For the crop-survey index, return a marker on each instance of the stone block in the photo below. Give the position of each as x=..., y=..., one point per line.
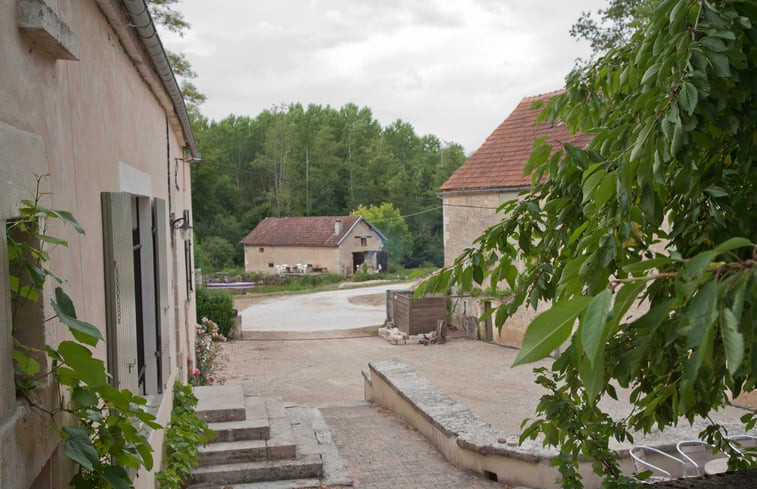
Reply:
x=42, y=26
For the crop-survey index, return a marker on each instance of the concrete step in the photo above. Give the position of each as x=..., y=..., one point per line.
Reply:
x=249, y=429
x=220, y=403
x=245, y=451
x=290, y=484
x=232, y=452
x=305, y=467
x=287, y=484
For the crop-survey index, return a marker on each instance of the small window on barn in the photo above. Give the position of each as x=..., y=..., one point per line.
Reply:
x=260, y=250
x=270, y=264
x=363, y=241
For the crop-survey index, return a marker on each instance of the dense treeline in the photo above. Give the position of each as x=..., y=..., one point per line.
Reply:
x=297, y=161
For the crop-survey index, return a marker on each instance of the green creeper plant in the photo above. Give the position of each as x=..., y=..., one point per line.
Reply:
x=184, y=435
x=106, y=437
x=658, y=211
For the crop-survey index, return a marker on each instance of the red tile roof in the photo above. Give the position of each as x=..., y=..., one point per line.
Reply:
x=499, y=162
x=299, y=231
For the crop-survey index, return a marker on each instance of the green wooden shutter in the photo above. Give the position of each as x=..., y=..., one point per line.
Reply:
x=121, y=323
x=160, y=228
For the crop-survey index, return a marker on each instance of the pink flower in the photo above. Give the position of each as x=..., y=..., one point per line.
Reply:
x=196, y=372
x=211, y=379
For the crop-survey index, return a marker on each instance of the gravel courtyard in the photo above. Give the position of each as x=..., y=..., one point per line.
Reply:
x=326, y=371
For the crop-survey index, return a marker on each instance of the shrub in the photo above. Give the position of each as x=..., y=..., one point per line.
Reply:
x=364, y=277
x=218, y=306
x=317, y=280
x=185, y=433
x=206, y=350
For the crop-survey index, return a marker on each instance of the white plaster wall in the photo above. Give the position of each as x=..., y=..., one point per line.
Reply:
x=93, y=125
x=318, y=256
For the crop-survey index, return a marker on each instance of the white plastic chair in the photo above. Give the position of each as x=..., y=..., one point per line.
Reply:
x=674, y=466
x=742, y=443
x=696, y=454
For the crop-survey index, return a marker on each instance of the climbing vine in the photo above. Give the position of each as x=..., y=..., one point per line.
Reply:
x=106, y=437
x=184, y=435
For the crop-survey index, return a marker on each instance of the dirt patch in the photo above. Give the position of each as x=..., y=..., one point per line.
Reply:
x=242, y=302
x=368, y=300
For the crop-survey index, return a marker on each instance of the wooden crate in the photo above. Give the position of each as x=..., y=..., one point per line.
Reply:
x=417, y=316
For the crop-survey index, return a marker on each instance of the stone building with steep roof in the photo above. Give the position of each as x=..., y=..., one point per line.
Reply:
x=490, y=177
x=334, y=244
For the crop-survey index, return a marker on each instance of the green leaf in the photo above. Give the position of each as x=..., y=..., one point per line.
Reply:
x=733, y=341
x=26, y=365
x=79, y=358
x=719, y=63
x=642, y=266
x=82, y=331
x=117, y=477
x=550, y=329
x=702, y=312
x=716, y=191
x=593, y=330
x=676, y=141
x=592, y=376
x=84, y=397
x=538, y=157
x=64, y=216
x=688, y=97
x=590, y=184
x=640, y=144
x=732, y=244
x=28, y=292
x=714, y=44
x=695, y=267
x=79, y=448
x=650, y=72
x=145, y=451
x=624, y=299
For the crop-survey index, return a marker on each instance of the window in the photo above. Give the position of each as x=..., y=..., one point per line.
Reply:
x=363, y=241
x=261, y=250
x=134, y=237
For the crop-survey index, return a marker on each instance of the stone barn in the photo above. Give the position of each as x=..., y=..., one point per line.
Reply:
x=333, y=244
x=490, y=177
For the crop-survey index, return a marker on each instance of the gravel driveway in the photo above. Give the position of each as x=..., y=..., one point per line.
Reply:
x=320, y=311
x=322, y=368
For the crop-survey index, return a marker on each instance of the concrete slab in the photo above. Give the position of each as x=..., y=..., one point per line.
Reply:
x=321, y=311
x=220, y=403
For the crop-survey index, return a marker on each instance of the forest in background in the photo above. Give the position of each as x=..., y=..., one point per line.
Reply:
x=316, y=161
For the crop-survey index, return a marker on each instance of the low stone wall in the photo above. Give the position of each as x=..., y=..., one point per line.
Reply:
x=466, y=440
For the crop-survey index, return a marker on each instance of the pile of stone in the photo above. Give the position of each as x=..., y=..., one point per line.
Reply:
x=396, y=337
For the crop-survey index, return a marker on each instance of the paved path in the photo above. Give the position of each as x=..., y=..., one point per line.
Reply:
x=321, y=311
x=382, y=452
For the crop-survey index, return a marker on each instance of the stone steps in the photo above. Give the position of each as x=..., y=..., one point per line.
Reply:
x=290, y=484
x=250, y=429
x=264, y=470
x=262, y=443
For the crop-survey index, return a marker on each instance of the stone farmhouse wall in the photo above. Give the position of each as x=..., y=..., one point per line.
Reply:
x=83, y=114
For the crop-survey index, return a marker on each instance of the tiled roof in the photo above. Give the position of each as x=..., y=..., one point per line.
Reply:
x=299, y=231
x=499, y=162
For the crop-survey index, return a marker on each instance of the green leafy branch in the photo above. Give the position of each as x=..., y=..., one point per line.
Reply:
x=644, y=241
x=185, y=433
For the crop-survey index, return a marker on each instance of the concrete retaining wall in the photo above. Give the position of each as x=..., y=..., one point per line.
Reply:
x=466, y=440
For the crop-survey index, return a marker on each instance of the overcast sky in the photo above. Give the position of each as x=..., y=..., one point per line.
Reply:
x=452, y=68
